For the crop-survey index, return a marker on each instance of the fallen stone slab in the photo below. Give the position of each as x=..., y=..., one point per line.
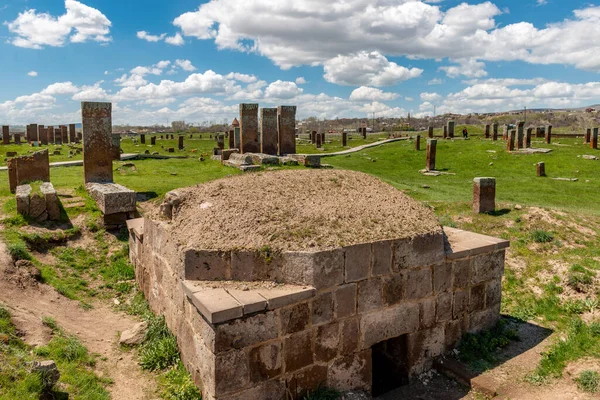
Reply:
x=112, y=198
x=532, y=151
x=566, y=179
x=434, y=172
x=308, y=160
x=264, y=159
x=588, y=157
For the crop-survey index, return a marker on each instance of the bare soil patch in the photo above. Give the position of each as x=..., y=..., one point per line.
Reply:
x=296, y=210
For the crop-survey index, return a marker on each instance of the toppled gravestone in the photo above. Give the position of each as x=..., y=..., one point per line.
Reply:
x=39, y=205
x=116, y=202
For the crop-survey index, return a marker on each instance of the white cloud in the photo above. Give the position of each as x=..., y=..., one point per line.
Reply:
x=300, y=80
x=91, y=93
x=368, y=69
x=132, y=80
x=282, y=90
x=185, y=65
x=150, y=38
x=470, y=68
x=304, y=32
x=79, y=24
x=60, y=88
x=435, y=81
x=176, y=40
x=32, y=73
x=430, y=97
x=241, y=77
x=365, y=93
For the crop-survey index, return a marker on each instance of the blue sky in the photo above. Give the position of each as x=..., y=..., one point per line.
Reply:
x=160, y=61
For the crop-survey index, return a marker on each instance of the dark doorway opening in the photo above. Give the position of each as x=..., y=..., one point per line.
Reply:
x=390, y=365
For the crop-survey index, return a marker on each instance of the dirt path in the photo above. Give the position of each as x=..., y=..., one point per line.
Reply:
x=97, y=329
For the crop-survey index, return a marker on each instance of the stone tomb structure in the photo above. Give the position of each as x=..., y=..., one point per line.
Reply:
x=116, y=202
x=257, y=309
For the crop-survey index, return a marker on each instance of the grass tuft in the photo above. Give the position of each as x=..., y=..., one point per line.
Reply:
x=589, y=381
x=541, y=236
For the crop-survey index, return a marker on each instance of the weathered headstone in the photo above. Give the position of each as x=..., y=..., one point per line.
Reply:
x=549, y=134
x=451, y=128
x=588, y=135
x=153, y=140
x=72, y=133
x=231, y=139
x=143, y=139
x=64, y=134
x=541, y=169
x=430, y=132
x=180, y=142
x=484, y=195
x=43, y=134
x=58, y=136
x=34, y=133
x=594, y=139
x=487, y=131
x=431, y=150
x=520, y=134
x=236, y=137
x=364, y=133
x=116, y=146
x=344, y=139
x=313, y=137
x=97, y=142
x=319, y=143
x=286, y=129
x=528, y=138
x=445, y=131
x=5, y=134
x=220, y=141
x=510, y=144
x=505, y=132
x=249, y=128
x=495, y=132
x=29, y=168
x=79, y=137
x=418, y=143
x=50, y=134
x=268, y=131
x=17, y=138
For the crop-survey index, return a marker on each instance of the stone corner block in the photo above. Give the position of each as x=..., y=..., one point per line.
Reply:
x=112, y=198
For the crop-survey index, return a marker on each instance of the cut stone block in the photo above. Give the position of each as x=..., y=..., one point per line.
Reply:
x=112, y=198
x=22, y=193
x=52, y=202
x=281, y=297
x=217, y=305
x=251, y=301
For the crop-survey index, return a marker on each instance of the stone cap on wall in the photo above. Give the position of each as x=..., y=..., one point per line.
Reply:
x=223, y=301
x=137, y=227
x=460, y=244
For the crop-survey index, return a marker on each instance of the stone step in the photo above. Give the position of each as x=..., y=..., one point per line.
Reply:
x=222, y=301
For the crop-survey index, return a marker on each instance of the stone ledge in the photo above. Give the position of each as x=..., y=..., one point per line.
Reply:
x=137, y=227
x=112, y=198
x=224, y=301
x=461, y=244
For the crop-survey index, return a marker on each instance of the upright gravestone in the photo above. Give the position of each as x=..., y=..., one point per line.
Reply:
x=319, y=140
x=40, y=130
x=344, y=139
x=430, y=132
x=364, y=133
x=495, y=132
x=5, y=134
x=43, y=133
x=50, y=134
x=588, y=135
x=594, y=139
x=72, y=133
x=64, y=134
x=79, y=137
x=249, y=128
x=418, y=143
x=143, y=139
x=313, y=137
x=34, y=133
x=268, y=131
x=445, y=135
x=528, y=138
x=153, y=140
x=520, y=134
x=231, y=139
x=220, y=141
x=58, y=136
x=431, y=150
x=180, y=142
x=484, y=195
x=323, y=138
x=17, y=138
x=286, y=129
x=116, y=146
x=451, y=129
x=505, y=132
x=510, y=143
x=541, y=169
x=549, y=134
x=97, y=142
x=236, y=137
x=487, y=131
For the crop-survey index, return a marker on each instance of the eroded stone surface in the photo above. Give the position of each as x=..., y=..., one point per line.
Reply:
x=98, y=150
x=112, y=198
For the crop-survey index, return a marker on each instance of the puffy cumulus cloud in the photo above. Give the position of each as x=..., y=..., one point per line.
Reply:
x=300, y=80
x=241, y=77
x=60, y=88
x=369, y=69
x=132, y=80
x=92, y=93
x=79, y=24
x=159, y=102
x=136, y=76
x=150, y=38
x=470, y=68
x=282, y=90
x=185, y=65
x=365, y=93
x=175, y=40
x=430, y=97
x=497, y=96
x=303, y=32
x=207, y=82
x=382, y=110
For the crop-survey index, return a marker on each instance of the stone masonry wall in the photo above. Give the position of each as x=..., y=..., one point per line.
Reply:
x=366, y=294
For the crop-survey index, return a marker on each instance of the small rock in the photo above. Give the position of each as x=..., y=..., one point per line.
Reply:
x=426, y=187
x=48, y=371
x=491, y=164
x=116, y=301
x=518, y=207
x=135, y=335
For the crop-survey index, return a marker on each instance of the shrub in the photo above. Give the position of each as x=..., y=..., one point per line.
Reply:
x=541, y=236
x=589, y=381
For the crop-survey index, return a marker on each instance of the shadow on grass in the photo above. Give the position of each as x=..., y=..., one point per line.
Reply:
x=145, y=196
x=499, y=213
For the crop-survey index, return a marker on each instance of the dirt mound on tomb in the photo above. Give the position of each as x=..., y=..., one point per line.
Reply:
x=296, y=210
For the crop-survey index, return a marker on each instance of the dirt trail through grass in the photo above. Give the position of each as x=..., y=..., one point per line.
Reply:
x=97, y=329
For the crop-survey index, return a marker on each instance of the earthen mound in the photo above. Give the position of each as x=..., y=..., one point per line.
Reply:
x=294, y=211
